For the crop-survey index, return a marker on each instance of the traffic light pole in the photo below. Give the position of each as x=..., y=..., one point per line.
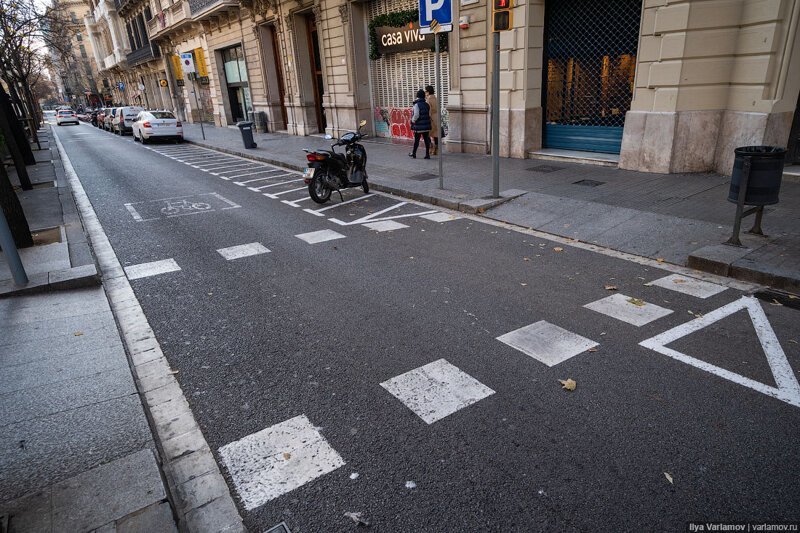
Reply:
x=496, y=116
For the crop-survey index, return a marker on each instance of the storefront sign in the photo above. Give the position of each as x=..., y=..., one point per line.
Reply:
x=392, y=40
x=200, y=60
x=177, y=69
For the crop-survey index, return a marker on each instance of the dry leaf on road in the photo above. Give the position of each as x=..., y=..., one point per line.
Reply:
x=78, y=333
x=558, y=249
x=660, y=259
x=568, y=384
x=669, y=477
x=287, y=455
x=611, y=287
x=775, y=302
x=636, y=301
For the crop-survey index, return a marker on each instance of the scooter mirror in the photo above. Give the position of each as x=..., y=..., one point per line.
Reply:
x=328, y=136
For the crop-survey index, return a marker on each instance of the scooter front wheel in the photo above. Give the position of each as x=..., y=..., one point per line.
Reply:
x=317, y=189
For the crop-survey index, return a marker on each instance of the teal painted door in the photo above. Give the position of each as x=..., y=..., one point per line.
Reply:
x=590, y=49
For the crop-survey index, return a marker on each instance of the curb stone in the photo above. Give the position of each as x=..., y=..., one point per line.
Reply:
x=172, y=422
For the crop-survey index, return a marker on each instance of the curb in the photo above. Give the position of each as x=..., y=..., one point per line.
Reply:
x=473, y=206
x=724, y=260
x=201, y=499
x=71, y=278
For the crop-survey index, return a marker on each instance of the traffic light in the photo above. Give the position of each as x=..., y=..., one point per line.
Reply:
x=501, y=15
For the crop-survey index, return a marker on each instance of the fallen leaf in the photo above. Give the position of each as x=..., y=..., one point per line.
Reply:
x=411, y=485
x=524, y=284
x=678, y=280
x=592, y=350
x=636, y=301
x=793, y=341
x=669, y=477
x=568, y=384
x=526, y=258
x=356, y=517
x=690, y=312
x=660, y=259
x=775, y=302
x=611, y=287
x=558, y=249
x=287, y=455
x=602, y=333
x=78, y=333
x=793, y=297
x=173, y=372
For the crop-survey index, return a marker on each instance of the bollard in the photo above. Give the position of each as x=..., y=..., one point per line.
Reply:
x=11, y=253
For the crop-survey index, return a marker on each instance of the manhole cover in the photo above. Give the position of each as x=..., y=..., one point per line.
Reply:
x=545, y=168
x=423, y=177
x=589, y=183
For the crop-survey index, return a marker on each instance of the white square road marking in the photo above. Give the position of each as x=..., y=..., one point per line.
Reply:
x=436, y=390
x=626, y=309
x=243, y=250
x=316, y=237
x=440, y=217
x=686, y=285
x=385, y=225
x=277, y=460
x=145, y=270
x=547, y=343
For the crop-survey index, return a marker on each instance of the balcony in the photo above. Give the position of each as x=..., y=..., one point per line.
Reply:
x=202, y=9
x=143, y=55
x=113, y=60
x=172, y=18
x=104, y=9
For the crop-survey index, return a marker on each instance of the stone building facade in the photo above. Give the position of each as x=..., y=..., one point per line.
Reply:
x=660, y=85
x=78, y=71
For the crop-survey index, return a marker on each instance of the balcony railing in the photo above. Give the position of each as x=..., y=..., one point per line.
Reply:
x=112, y=60
x=168, y=19
x=202, y=8
x=143, y=54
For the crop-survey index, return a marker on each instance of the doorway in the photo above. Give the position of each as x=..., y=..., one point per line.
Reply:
x=273, y=72
x=316, y=71
x=236, y=83
x=793, y=146
x=590, y=53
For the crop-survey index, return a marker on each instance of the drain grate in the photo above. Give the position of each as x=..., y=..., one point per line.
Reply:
x=589, y=183
x=423, y=177
x=545, y=168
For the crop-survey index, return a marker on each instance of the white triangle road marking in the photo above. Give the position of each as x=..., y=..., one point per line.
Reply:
x=787, y=390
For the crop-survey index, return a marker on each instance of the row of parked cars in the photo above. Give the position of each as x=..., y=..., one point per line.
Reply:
x=143, y=124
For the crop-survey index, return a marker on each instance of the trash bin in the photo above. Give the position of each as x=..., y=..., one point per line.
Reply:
x=766, y=171
x=246, y=128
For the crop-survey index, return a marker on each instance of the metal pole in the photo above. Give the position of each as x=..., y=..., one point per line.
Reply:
x=200, y=105
x=439, y=109
x=11, y=253
x=496, y=117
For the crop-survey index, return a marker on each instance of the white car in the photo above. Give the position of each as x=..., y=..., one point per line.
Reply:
x=66, y=116
x=122, y=120
x=157, y=124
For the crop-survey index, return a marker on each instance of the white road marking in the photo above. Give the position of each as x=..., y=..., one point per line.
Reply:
x=787, y=390
x=220, y=197
x=255, y=172
x=293, y=203
x=625, y=308
x=256, y=189
x=385, y=225
x=154, y=268
x=277, y=460
x=275, y=196
x=547, y=343
x=228, y=165
x=318, y=212
x=245, y=182
x=319, y=236
x=686, y=285
x=440, y=217
x=436, y=390
x=132, y=210
x=243, y=250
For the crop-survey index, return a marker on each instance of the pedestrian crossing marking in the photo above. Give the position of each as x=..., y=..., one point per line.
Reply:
x=686, y=285
x=547, y=343
x=627, y=309
x=787, y=390
x=277, y=460
x=436, y=390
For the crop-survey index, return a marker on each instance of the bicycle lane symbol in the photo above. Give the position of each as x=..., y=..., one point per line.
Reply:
x=179, y=206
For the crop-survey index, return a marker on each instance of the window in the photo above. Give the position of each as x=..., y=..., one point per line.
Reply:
x=147, y=13
x=73, y=17
x=83, y=52
x=78, y=37
x=142, y=29
x=162, y=114
x=235, y=69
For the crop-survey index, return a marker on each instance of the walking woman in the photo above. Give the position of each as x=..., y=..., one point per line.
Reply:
x=433, y=105
x=421, y=124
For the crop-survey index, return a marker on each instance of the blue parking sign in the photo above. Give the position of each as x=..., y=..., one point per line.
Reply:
x=439, y=10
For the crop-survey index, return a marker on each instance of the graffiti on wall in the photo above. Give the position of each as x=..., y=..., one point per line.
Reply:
x=395, y=122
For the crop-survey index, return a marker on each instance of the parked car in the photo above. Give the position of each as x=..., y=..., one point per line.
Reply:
x=49, y=114
x=123, y=119
x=157, y=124
x=108, y=118
x=66, y=116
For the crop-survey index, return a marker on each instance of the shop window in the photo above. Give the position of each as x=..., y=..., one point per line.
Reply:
x=235, y=69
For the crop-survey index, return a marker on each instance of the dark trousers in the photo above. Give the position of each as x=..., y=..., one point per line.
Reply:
x=425, y=135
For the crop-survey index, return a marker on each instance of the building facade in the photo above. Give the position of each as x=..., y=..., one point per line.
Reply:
x=652, y=85
x=76, y=79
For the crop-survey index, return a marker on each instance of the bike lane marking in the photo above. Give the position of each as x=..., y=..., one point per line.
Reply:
x=153, y=268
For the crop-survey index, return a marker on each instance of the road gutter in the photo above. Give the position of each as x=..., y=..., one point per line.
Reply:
x=201, y=499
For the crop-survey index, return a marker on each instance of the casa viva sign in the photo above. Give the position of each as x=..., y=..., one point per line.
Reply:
x=391, y=40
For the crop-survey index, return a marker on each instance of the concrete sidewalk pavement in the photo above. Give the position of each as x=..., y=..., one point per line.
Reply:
x=678, y=218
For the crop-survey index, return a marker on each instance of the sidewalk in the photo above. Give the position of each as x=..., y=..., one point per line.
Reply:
x=680, y=218
x=76, y=450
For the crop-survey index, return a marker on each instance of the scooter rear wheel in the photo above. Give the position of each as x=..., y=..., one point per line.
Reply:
x=317, y=189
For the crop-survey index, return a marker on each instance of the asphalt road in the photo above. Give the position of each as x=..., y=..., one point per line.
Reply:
x=314, y=329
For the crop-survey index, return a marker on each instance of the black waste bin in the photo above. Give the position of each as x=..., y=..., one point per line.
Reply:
x=766, y=172
x=246, y=128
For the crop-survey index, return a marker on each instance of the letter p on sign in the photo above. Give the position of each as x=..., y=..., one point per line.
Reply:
x=440, y=10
